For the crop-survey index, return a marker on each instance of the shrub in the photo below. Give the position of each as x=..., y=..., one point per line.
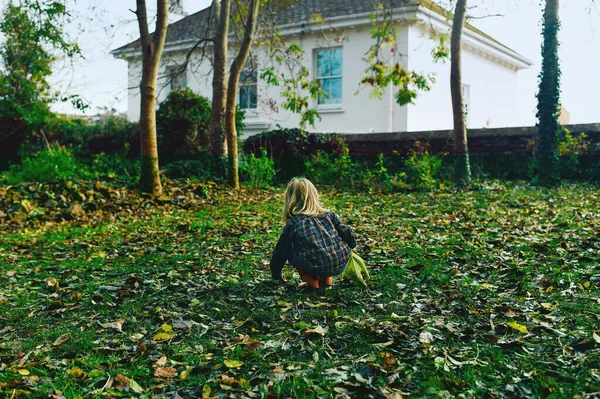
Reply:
x=116, y=166
x=258, y=172
x=290, y=149
x=420, y=170
x=183, y=125
x=200, y=168
x=333, y=169
x=46, y=166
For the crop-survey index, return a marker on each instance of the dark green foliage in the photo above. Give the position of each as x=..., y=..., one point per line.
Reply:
x=549, y=98
x=33, y=37
x=334, y=170
x=183, y=125
x=111, y=134
x=201, y=168
x=47, y=166
x=292, y=148
x=258, y=172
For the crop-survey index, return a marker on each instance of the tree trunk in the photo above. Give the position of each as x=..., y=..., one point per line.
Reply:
x=222, y=10
x=232, y=91
x=549, y=97
x=462, y=171
x=152, y=48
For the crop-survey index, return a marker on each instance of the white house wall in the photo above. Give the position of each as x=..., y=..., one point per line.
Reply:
x=492, y=103
x=492, y=87
x=358, y=113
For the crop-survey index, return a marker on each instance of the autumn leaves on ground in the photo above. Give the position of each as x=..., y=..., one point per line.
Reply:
x=490, y=292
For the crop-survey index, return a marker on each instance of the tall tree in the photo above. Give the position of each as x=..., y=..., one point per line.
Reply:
x=462, y=169
x=549, y=97
x=225, y=86
x=152, y=48
x=232, y=91
x=221, y=11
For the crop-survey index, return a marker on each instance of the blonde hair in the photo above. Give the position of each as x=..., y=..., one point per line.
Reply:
x=300, y=198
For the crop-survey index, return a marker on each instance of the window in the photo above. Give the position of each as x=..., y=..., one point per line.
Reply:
x=176, y=77
x=247, y=88
x=329, y=75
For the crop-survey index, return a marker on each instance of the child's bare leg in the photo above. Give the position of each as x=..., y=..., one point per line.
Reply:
x=325, y=281
x=311, y=282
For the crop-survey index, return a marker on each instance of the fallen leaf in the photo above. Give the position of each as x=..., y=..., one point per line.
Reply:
x=167, y=328
x=11, y=273
x=519, y=327
x=596, y=337
x=165, y=372
x=388, y=361
x=205, y=391
x=162, y=361
x=426, y=337
x=121, y=382
x=117, y=325
x=77, y=373
x=163, y=336
x=317, y=330
x=135, y=387
x=61, y=340
x=51, y=282
x=23, y=371
x=233, y=364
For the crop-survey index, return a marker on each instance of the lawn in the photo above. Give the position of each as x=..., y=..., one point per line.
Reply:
x=489, y=292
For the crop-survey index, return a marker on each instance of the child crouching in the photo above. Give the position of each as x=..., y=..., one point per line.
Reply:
x=314, y=241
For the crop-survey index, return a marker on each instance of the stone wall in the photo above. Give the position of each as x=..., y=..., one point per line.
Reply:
x=482, y=142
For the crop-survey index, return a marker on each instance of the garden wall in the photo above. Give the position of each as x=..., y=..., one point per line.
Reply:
x=482, y=142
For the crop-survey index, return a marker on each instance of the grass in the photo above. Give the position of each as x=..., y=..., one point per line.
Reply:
x=491, y=292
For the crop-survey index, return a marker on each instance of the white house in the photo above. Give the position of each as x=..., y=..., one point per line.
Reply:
x=334, y=54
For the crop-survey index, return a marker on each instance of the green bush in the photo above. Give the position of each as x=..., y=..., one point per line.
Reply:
x=116, y=166
x=291, y=149
x=258, y=172
x=200, y=168
x=334, y=170
x=46, y=166
x=420, y=170
x=183, y=125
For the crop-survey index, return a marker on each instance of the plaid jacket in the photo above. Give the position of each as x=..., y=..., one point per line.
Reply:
x=320, y=245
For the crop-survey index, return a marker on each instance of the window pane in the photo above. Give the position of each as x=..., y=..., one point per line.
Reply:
x=335, y=95
x=252, y=97
x=243, y=97
x=336, y=62
x=326, y=88
x=323, y=63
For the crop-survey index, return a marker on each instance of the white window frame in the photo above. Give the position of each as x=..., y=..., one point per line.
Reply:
x=336, y=105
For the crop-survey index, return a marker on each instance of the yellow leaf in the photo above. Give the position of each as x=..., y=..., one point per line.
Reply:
x=167, y=327
x=586, y=284
x=519, y=327
x=23, y=371
x=549, y=289
x=487, y=286
x=76, y=372
x=205, y=391
x=163, y=336
x=135, y=387
x=185, y=374
x=233, y=364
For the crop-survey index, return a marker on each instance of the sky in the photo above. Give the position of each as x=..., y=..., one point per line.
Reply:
x=100, y=26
